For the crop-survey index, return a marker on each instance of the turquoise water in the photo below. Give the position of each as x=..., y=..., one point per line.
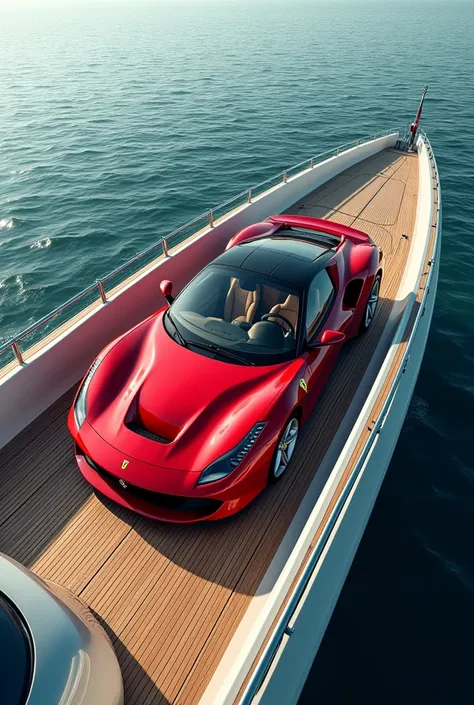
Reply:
x=119, y=123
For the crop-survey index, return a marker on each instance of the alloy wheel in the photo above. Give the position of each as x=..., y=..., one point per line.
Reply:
x=372, y=303
x=286, y=447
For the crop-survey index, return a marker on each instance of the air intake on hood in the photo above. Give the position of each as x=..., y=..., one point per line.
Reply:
x=141, y=431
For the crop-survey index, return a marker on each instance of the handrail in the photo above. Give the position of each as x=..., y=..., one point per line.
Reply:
x=282, y=627
x=248, y=194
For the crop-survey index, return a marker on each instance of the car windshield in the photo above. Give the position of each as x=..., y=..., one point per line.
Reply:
x=15, y=655
x=238, y=315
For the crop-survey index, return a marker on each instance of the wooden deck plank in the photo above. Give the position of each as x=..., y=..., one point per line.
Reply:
x=384, y=207
x=171, y=597
x=353, y=196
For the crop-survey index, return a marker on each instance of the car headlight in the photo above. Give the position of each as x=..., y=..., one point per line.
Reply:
x=223, y=466
x=80, y=407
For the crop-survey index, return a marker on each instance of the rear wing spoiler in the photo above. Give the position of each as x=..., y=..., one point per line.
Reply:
x=324, y=226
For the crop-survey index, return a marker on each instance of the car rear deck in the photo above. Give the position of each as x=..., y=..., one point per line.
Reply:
x=171, y=597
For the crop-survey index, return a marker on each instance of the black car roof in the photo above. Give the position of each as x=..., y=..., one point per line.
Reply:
x=292, y=260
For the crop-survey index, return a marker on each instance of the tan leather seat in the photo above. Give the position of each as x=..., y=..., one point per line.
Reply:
x=240, y=305
x=269, y=297
x=288, y=309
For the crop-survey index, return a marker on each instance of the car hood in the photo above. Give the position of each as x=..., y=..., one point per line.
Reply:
x=73, y=661
x=157, y=401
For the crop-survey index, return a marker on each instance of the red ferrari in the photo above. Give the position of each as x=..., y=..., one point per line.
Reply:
x=193, y=412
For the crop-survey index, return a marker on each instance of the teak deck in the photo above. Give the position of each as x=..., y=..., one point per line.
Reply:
x=172, y=596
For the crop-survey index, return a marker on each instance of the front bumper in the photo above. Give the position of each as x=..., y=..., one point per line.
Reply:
x=168, y=495
x=156, y=505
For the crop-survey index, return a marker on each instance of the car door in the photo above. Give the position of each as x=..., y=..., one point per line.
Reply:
x=323, y=312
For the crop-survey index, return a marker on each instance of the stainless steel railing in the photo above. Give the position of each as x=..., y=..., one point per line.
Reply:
x=283, y=625
x=162, y=246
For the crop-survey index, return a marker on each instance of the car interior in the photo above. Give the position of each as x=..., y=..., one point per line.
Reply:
x=236, y=310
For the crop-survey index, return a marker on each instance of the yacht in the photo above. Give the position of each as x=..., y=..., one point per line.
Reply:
x=230, y=612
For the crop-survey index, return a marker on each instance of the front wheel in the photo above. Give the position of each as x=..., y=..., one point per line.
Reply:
x=284, y=449
x=371, y=306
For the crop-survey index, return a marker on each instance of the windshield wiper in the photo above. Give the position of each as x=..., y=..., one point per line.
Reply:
x=180, y=338
x=221, y=351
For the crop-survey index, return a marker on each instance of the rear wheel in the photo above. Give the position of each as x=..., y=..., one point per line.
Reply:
x=284, y=449
x=371, y=305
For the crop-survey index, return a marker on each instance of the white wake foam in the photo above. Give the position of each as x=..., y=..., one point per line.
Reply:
x=40, y=244
x=6, y=223
x=21, y=285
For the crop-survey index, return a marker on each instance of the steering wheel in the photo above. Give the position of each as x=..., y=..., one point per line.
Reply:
x=290, y=325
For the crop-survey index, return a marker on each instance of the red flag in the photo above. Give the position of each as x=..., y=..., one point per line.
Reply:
x=414, y=125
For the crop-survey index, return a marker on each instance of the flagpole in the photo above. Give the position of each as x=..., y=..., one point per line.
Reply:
x=414, y=125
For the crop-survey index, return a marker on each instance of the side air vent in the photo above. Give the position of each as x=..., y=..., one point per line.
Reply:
x=352, y=293
x=140, y=431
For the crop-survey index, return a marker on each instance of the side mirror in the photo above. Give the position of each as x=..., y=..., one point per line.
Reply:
x=166, y=287
x=329, y=337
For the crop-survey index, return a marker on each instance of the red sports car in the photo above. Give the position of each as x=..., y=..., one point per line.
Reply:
x=193, y=412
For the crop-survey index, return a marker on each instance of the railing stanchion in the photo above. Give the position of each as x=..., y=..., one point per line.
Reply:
x=211, y=218
x=249, y=196
x=100, y=286
x=17, y=351
x=165, y=247
x=285, y=177
x=311, y=163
